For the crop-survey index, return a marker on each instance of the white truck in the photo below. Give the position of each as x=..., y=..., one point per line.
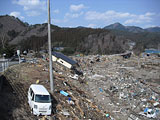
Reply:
x=150, y=113
x=39, y=100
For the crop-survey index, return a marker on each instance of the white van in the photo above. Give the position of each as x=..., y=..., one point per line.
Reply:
x=39, y=100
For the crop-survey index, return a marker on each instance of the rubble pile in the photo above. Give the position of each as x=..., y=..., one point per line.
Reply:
x=123, y=88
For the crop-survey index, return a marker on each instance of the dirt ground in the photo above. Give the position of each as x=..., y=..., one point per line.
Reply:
x=112, y=88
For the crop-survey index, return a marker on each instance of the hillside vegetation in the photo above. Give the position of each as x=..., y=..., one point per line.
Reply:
x=15, y=34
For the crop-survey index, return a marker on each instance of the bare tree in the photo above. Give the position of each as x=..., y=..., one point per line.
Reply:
x=3, y=39
x=138, y=51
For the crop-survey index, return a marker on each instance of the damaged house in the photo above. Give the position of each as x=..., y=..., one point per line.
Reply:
x=64, y=60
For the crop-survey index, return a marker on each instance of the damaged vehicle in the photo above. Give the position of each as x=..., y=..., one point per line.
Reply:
x=39, y=100
x=148, y=113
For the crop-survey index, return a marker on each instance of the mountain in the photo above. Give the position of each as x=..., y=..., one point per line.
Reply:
x=81, y=27
x=116, y=26
x=134, y=29
x=38, y=30
x=104, y=43
x=114, y=39
x=153, y=29
x=11, y=23
x=72, y=39
x=10, y=27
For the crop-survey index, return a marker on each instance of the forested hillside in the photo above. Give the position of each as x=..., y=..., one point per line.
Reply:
x=14, y=34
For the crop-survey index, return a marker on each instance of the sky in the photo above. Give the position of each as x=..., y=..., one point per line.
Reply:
x=87, y=13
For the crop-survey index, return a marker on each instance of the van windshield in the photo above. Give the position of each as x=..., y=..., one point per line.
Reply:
x=42, y=98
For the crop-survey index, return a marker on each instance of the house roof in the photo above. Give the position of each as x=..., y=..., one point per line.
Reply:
x=152, y=51
x=65, y=58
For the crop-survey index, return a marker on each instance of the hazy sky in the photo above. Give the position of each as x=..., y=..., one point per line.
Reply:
x=89, y=13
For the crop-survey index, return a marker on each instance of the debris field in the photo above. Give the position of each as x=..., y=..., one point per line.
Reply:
x=111, y=87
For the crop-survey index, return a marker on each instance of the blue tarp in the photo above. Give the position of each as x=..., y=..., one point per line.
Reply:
x=64, y=93
x=100, y=89
x=152, y=51
x=146, y=109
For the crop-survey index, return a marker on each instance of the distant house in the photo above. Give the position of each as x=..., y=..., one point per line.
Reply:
x=64, y=60
x=59, y=48
x=126, y=55
x=152, y=51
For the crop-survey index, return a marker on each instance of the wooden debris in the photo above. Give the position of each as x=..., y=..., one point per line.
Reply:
x=77, y=103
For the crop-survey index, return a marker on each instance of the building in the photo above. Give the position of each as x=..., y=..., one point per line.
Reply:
x=64, y=60
x=126, y=55
x=152, y=52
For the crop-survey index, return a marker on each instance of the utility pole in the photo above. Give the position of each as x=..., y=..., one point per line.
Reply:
x=50, y=49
